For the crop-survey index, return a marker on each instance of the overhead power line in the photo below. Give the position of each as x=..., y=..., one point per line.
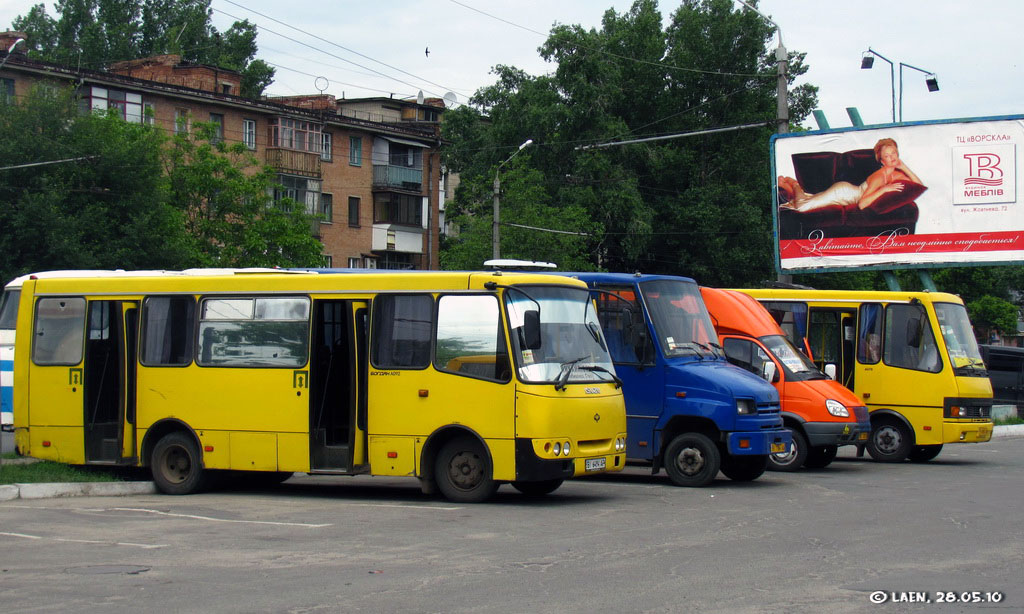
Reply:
x=675, y=136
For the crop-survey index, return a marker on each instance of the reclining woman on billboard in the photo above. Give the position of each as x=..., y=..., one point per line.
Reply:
x=885, y=180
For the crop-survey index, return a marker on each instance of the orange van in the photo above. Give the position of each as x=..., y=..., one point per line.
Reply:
x=821, y=414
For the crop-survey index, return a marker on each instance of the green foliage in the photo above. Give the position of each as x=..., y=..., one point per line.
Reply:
x=96, y=33
x=230, y=215
x=990, y=313
x=107, y=211
x=696, y=206
x=47, y=472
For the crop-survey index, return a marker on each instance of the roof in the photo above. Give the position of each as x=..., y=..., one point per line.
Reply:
x=735, y=312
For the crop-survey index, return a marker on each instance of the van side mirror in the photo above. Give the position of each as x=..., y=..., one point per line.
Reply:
x=914, y=332
x=531, y=329
x=769, y=372
x=830, y=370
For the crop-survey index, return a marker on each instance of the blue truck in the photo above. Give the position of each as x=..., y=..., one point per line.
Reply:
x=689, y=411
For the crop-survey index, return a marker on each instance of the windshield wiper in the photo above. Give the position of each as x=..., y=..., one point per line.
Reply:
x=693, y=347
x=566, y=371
x=615, y=378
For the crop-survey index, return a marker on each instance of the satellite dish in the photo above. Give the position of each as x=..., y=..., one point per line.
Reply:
x=419, y=97
x=449, y=99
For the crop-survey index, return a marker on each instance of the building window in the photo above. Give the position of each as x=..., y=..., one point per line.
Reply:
x=328, y=261
x=6, y=90
x=353, y=211
x=327, y=208
x=395, y=208
x=355, y=263
x=148, y=114
x=355, y=150
x=295, y=134
x=303, y=190
x=180, y=121
x=325, y=146
x=217, y=120
x=127, y=105
x=249, y=133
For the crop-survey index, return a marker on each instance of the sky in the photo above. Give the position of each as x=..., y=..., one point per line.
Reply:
x=358, y=49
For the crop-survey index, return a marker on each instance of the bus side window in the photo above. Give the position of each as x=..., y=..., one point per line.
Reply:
x=469, y=339
x=167, y=325
x=402, y=327
x=909, y=342
x=59, y=331
x=869, y=334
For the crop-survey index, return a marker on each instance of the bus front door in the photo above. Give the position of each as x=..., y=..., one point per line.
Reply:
x=109, y=377
x=831, y=335
x=337, y=412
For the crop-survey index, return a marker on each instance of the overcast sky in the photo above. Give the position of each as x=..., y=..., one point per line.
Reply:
x=974, y=47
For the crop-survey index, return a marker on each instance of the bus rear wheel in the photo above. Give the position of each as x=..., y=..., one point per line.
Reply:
x=463, y=472
x=890, y=442
x=923, y=454
x=537, y=489
x=691, y=459
x=177, y=466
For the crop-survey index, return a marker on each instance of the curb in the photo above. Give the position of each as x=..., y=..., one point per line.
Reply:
x=10, y=492
x=1008, y=431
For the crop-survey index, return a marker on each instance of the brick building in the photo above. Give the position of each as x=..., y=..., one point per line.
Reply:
x=370, y=167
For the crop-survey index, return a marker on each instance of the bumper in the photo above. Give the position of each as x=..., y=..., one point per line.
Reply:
x=836, y=433
x=759, y=442
x=966, y=432
x=531, y=468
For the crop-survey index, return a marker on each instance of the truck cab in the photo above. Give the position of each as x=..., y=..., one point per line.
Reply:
x=820, y=414
x=689, y=411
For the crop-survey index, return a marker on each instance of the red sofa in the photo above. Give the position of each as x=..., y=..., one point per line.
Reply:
x=817, y=171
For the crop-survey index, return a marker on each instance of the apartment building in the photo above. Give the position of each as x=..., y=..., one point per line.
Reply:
x=375, y=181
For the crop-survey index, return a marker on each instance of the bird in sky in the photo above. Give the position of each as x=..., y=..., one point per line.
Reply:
x=427, y=52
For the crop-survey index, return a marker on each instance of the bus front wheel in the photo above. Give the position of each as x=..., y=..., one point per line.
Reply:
x=463, y=472
x=176, y=465
x=890, y=442
x=691, y=459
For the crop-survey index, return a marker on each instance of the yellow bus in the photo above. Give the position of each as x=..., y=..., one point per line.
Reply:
x=463, y=380
x=910, y=356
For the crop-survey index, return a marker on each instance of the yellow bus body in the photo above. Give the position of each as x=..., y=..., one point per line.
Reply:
x=926, y=400
x=395, y=422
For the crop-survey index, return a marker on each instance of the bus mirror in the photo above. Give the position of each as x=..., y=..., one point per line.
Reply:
x=830, y=370
x=531, y=329
x=914, y=332
x=768, y=371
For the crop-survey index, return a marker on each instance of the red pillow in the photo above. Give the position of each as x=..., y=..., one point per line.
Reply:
x=891, y=201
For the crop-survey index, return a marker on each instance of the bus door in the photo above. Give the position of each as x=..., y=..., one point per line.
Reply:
x=108, y=380
x=337, y=411
x=831, y=334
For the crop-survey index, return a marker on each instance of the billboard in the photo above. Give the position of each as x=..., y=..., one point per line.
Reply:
x=900, y=195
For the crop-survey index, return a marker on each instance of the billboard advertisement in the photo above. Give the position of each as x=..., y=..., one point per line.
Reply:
x=899, y=196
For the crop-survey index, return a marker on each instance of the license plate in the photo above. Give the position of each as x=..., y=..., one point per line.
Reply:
x=862, y=437
x=984, y=433
x=594, y=464
x=779, y=448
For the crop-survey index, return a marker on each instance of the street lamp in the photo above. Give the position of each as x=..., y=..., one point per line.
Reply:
x=930, y=80
x=495, y=232
x=781, y=62
x=867, y=60
x=11, y=50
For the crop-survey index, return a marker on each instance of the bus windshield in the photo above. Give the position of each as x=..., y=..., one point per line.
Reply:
x=681, y=321
x=9, y=309
x=959, y=338
x=572, y=348
x=797, y=366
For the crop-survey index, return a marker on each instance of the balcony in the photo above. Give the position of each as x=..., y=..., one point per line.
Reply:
x=400, y=177
x=294, y=162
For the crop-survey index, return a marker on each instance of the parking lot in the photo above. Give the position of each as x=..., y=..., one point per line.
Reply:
x=812, y=541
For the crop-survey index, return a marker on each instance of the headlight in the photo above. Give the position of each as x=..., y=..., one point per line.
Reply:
x=565, y=449
x=558, y=448
x=745, y=406
x=836, y=408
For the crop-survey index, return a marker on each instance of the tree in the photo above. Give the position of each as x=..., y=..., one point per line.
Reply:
x=989, y=314
x=108, y=210
x=226, y=198
x=695, y=206
x=96, y=33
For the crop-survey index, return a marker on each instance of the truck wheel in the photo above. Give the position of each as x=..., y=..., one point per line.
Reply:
x=177, y=466
x=537, y=489
x=923, y=454
x=792, y=460
x=890, y=441
x=691, y=459
x=463, y=472
x=820, y=457
x=744, y=468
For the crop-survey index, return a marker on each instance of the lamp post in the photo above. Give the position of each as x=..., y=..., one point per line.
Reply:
x=781, y=65
x=11, y=50
x=930, y=80
x=495, y=231
x=867, y=60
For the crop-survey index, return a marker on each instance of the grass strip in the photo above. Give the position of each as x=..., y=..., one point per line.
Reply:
x=48, y=471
